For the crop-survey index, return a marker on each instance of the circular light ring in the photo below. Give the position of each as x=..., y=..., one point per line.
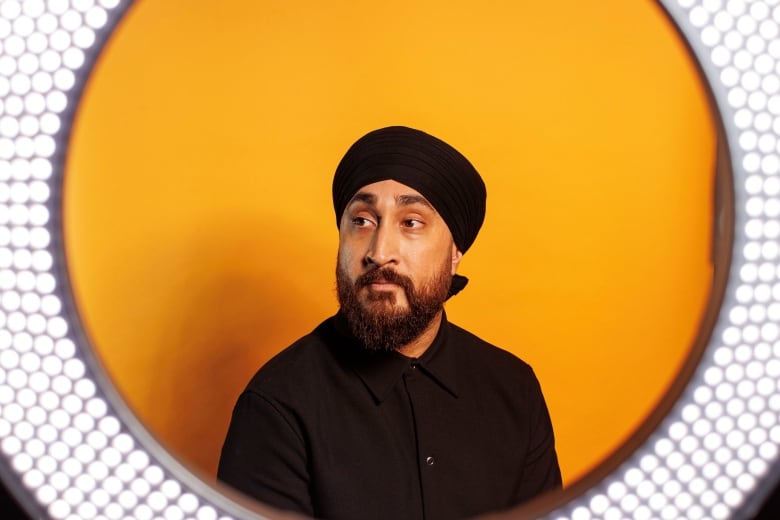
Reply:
x=71, y=449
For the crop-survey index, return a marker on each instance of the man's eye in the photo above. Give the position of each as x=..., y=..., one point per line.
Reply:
x=412, y=223
x=361, y=221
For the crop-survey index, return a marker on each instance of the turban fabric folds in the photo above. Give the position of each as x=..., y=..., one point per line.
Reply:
x=426, y=164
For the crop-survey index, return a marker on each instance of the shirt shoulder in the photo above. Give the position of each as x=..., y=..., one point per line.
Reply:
x=485, y=369
x=480, y=352
x=299, y=366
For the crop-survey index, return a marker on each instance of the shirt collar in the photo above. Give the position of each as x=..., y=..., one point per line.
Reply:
x=381, y=371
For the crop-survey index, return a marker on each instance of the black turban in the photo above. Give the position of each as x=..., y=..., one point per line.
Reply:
x=426, y=164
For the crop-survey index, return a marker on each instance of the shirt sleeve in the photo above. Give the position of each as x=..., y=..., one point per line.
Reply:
x=541, y=472
x=264, y=456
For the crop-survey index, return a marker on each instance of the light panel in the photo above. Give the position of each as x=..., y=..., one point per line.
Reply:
x=71, y=449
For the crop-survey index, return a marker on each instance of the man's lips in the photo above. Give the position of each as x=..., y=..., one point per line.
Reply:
x=383, y=284
x=383, y=280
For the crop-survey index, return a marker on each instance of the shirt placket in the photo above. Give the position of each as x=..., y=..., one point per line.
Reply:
x=417, y=384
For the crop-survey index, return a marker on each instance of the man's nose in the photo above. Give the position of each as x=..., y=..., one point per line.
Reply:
x=384, y=246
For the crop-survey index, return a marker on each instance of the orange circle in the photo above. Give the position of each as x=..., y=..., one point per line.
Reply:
x=198, y=225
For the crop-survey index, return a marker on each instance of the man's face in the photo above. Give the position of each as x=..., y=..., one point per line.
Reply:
x=395, y=264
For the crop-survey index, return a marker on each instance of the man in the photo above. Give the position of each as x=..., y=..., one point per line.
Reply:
x=387, y=410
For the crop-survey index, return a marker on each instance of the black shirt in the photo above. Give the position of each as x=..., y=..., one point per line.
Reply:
x=330, y=430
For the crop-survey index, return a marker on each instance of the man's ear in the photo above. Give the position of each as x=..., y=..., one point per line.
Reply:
x=456, y=257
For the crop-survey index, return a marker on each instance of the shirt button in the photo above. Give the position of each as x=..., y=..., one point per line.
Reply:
x=429, y=461
x=414, y=366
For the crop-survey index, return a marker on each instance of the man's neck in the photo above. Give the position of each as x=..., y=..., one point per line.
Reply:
x=417, y=347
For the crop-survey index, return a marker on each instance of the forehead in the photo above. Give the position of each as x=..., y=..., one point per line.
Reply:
x=390, y=190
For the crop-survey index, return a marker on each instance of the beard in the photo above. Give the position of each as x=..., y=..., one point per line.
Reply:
x=379, y=324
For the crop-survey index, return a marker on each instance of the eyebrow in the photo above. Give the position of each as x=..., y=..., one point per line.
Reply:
x=400, y=200
x=408, y=200
x=363, y=196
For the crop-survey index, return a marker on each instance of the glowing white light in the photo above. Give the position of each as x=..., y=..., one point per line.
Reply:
x=770, y=164
x=59, y=509
x=60, y=40
x=174, y=513
x=47, y=464
x=138, y=459
x=39, y=382
x=140, y=487
x=56, y=101
x=763, y=121
x=171, y=489
x=748, y=140
x=84, y=38
x=64, y=79
x=29, y=126
x=50, y=305
x=50, y=60
x=28, y=65
x=42, y=82
x=84, y=422
x=100, y=498
x=61, y=385
x=110, y=427
x=49, y=401
x=768, y=29
x=96, y=407
x=109, y=4
x=96, y=18
x=44, y=146
x=9, y=127
x=33, y=478
x=143, y=512
x=723, y=21
x=57, y=328
x=189, y=503
x=72, y=468
x=50, y=124
x=207, y=513
x=41, y=168
x=52, y=365
x=154, y=475
x=721, y=55
x=46, y=494
x=125, y=473
x=73, y=58
x=72, y=404
x=30, y=362
x=123, y=443
x=37, y=43
x=757, y=101
x=128, y=499
x=97, y=470
x=743, y=119
x=157, y=501
x=70, y=20
x=112, y=484
x=111, y=457
x=86, y=511
x=35, y=103
x=746, y=25
x=13, y=45
x=20, y=84
x=633, y=477
x=699, y=17
x=17, y=379
x=96, y=440
x=735, y=7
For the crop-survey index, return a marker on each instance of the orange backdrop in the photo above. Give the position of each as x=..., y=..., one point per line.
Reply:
x=199, y=230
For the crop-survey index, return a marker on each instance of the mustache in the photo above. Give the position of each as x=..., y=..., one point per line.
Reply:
x=385, y=274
